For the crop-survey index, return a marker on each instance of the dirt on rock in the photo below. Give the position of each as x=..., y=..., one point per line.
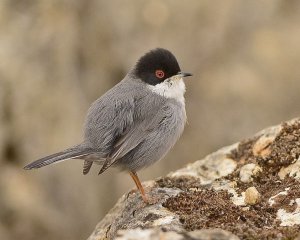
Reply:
x=200, y=208
x=182, y=182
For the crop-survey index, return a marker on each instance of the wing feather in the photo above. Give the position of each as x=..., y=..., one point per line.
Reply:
x=133, y=138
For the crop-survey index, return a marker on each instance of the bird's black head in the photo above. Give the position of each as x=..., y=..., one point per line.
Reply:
x=156, y=66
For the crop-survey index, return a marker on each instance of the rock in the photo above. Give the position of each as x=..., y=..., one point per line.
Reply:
x=211, y=234
x=292, y=170
x=150, y=234
x=131, y=212
x=210, y=168
x=260, y=148
x=247, y=190
x=290, y=218
x=252, y=196
x=247, y=171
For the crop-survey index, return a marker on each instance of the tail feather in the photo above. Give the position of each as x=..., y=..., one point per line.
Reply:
x=71, y=153
x=86, y=167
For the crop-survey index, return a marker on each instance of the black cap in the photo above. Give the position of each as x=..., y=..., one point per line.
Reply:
x=156, y=66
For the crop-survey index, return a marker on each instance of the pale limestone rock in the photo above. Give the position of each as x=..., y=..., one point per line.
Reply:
x=212, y=167
x=157, y=234
x=260, y=148
x=292, y=170
x=289, y=218
x=132, y=212
x=249, y=170
x=252, y=196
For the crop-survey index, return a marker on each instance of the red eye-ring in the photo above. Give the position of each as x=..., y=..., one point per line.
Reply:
x=159, y=73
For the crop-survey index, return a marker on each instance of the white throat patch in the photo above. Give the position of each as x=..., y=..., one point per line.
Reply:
x=173, y=88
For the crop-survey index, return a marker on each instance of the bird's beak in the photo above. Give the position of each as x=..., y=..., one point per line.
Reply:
x=184, y=74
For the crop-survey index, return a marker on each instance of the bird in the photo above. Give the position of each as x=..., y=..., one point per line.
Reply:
x=135, y=123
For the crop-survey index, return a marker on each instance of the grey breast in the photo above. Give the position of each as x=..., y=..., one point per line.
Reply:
x=134, y=125
x=157, y=137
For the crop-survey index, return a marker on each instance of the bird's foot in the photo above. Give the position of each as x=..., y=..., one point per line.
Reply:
x=148, y=200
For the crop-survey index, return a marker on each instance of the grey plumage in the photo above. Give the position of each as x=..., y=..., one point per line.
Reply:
x=116, y=124
x=70, y=153
x=136, y=122
x=130, y=125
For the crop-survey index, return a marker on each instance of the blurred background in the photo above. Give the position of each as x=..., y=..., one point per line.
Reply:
x=58, y=56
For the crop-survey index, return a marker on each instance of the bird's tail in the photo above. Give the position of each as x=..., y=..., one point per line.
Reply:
x=70, y=153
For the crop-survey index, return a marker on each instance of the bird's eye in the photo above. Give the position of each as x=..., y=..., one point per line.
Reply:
x=159, y=73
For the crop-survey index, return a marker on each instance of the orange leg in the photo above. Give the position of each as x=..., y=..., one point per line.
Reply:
x=139, y=185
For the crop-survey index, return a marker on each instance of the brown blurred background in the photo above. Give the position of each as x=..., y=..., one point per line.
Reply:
x=57, y=56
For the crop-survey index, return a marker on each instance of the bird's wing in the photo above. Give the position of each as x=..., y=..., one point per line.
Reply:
x=108, y=118
x=134, y=137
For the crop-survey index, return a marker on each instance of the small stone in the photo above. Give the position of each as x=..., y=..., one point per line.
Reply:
x=233, y=184
x=261, y=147
x=245, y=208
x=247, y=171
x=252, y=196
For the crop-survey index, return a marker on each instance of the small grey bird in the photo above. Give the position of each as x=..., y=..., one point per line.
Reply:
x=136, y=122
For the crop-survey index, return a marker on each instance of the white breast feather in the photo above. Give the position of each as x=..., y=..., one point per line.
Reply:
x=170, y=89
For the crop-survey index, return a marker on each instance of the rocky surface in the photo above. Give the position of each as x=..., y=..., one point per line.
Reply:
x=249, y=190
x=58, y=56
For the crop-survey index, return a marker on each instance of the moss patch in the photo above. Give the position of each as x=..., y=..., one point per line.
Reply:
x=183, y=183
x=211, y=209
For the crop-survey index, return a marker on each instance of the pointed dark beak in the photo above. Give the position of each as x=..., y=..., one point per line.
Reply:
x=184, y=74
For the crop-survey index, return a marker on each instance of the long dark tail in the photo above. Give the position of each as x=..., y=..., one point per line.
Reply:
x=70, y=153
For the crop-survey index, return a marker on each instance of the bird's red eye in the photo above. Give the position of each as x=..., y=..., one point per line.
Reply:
x=159, y=73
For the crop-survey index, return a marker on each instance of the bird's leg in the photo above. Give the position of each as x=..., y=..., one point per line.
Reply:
x=139, y=185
